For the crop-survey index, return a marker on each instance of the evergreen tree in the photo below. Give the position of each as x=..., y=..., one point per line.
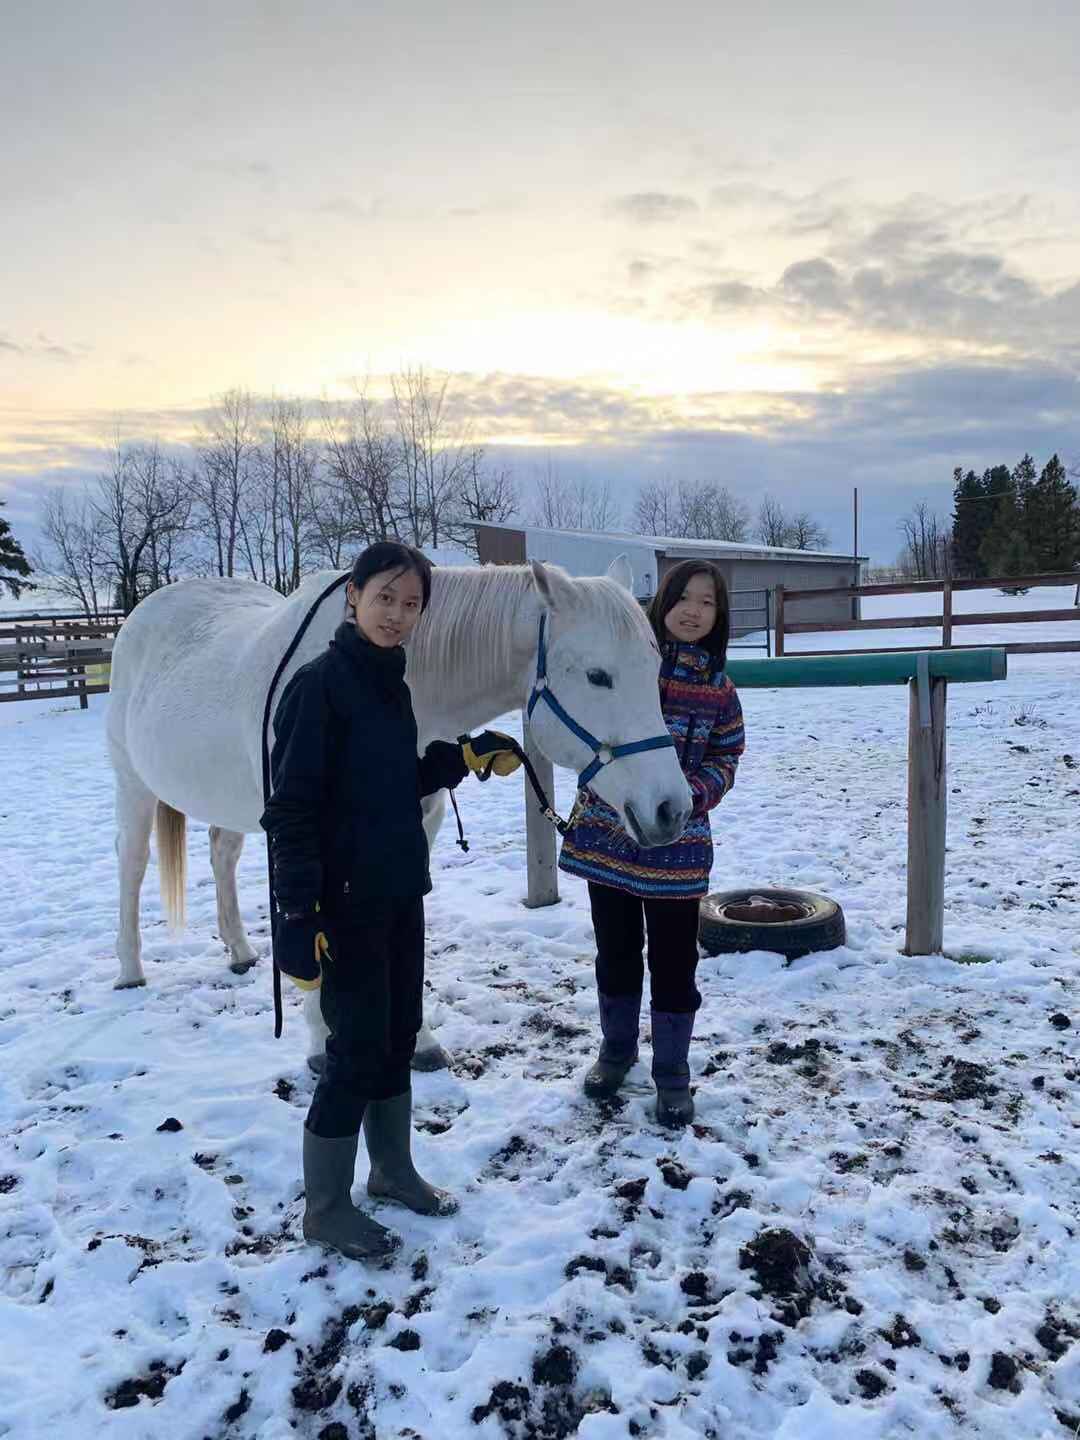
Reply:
x=1005, y=549
x=1052, y=519
x=13, y=563
x=977, y=500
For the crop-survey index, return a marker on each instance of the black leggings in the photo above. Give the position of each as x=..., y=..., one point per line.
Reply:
x=620, y=922
x=372, y=1000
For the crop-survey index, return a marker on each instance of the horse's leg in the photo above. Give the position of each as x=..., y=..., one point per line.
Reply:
x=225, y=847
x=317, y=1030
x=429, y=1054
x=135, y=806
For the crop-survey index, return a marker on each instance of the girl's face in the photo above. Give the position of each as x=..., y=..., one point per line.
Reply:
x=388, y=606
x=694, y=614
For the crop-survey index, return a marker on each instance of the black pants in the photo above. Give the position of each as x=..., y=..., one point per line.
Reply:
x=372, y=1000
x=620, y=922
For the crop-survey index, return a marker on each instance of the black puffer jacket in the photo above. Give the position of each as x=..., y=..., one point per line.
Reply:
x=344, y=820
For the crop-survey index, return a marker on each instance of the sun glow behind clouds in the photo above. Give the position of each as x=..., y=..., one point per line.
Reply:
x=637, y=355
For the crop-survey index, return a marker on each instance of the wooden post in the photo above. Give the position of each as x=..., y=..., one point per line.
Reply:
x=926, y=816
x=778, y=618
x=540, y=834
x=946, y=616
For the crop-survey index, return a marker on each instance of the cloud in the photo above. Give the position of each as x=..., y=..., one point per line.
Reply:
x=44, y=348
x=908, y=281
x=897, y=431
x=345, y=208
x=654, y=207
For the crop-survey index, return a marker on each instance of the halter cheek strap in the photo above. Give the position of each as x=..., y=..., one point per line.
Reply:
x=602, y=754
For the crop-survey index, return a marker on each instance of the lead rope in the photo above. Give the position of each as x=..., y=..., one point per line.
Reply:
x=561, y=825
x=289, y=653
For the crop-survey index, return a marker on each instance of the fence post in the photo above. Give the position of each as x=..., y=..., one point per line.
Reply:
x=543, y=875
x=946, y=616
x=926, y=815
x=779, y=620
x=768, y=623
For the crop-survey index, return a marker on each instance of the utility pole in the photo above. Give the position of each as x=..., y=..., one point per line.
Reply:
x=855, y=608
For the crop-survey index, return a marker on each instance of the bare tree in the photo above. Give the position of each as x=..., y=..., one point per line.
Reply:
x=690, y=510
x=274, y=518
x=709, y=511
x=485, y=495
x=75, y=555
x=804, y=533
x=435, y=458
x=927, y=552
x=562, y=502
x=142, y=503
x=772, y=523
x=226, y=463
x=655, y=509
x=356, y=501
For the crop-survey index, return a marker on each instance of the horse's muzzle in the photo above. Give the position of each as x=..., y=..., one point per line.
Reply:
x=666, y=825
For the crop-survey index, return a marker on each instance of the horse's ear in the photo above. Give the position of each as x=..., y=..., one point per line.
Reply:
x=621, y=571
x=553, y=585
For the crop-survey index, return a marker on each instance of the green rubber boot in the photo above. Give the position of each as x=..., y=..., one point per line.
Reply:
x=330, y=1217
x=388, y=1133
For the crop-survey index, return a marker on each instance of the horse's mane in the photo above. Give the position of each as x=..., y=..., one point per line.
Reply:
x=468, y=623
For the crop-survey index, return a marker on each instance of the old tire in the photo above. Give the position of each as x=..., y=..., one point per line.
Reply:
x=804, y=923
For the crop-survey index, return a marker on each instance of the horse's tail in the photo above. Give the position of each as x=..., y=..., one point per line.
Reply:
x=171, y=828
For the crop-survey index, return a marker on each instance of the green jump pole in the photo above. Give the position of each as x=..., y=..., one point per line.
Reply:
x=927, y=674
x=870, y=668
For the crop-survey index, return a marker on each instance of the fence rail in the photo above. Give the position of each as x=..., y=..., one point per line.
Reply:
x=47, y=656
x=946, y=622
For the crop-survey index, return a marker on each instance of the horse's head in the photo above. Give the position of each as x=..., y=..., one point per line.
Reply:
x=602, y=666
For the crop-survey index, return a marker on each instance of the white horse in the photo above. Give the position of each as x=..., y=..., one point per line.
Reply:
x=192, y=666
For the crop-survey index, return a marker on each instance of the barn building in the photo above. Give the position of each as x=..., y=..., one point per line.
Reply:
x=750, y=570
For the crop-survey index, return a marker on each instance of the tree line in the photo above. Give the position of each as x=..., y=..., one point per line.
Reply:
x=269, y=489
x=1016, y=520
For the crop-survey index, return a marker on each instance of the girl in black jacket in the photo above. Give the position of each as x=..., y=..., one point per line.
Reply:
x=350, y=865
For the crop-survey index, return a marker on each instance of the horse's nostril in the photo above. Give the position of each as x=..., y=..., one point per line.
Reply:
x=665, y=813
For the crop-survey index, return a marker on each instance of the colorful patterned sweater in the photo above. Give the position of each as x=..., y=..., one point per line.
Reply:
x=704, y=716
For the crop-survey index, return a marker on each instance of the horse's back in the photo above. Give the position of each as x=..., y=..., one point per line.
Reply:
x=186, y=682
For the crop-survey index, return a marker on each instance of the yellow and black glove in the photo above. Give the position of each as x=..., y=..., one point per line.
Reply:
x=299, y=946
x=490, y=751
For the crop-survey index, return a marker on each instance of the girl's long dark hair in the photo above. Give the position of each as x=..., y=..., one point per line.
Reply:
x=392, y=555
x=671, y=592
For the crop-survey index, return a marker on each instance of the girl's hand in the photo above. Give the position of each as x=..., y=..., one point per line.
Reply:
x=299, y=946
x=489, y=751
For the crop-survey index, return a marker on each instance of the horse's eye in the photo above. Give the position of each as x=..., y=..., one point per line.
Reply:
x=599, y=677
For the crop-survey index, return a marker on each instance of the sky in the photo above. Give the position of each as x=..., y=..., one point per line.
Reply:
x=795, y=249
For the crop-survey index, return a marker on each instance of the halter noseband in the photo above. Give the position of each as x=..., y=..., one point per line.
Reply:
x=602, y=754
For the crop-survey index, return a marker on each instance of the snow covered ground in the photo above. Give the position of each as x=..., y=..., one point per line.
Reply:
x=871, y=1231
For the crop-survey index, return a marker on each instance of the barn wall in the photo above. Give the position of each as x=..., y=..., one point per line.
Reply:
x=500, y=547
x=801, y=575
x=592, y=554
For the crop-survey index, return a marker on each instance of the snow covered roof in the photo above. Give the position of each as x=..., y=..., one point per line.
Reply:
x=675, y=546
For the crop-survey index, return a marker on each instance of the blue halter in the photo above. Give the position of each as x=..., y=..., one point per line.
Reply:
x=602, y=754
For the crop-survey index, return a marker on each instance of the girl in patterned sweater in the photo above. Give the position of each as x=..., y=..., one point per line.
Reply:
x=656, y=892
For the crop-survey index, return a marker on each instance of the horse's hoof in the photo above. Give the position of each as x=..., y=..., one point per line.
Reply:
x=241, y=967
x=434, y=1057
x=316, y=1064
x=123, y=984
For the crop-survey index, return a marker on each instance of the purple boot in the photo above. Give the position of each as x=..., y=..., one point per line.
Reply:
x=619, y=1020
x=671, y=1032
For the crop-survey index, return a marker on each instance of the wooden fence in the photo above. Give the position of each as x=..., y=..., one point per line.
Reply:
x=55, y=655
x=946, y=622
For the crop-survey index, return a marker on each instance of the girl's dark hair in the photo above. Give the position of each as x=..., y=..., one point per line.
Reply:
x=671, y=592
x=391, y=555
